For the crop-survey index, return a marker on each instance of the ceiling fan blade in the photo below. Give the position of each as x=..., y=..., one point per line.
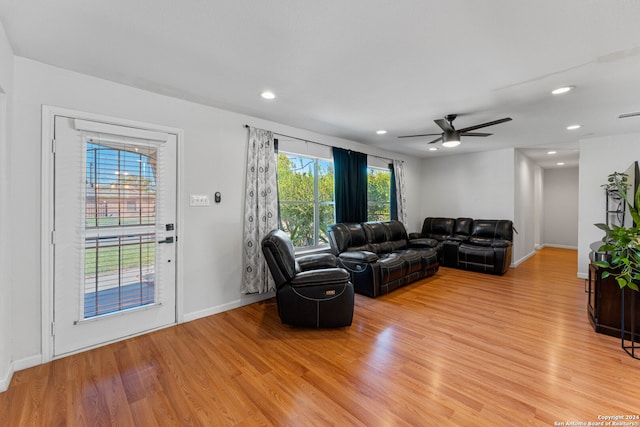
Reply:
x=435, y=140
x=414, y=136
x=444, y=125
x=624, y=116
x=483, y=125
x=475, y=134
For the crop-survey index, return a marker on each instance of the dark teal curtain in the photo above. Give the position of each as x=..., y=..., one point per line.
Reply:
x=393, y=195
x=350, y=177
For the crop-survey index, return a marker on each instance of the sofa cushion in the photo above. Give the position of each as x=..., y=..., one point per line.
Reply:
x=412, y=260
x=397, y=235
x=462, y=228
x=438, y=228
x=278, y=250
x=376, y=233
x=345, y=236
x=392, y=268
x=486, y=231
x=477, y=258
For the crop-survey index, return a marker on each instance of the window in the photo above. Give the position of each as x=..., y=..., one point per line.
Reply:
x=378, y=194
x=305, y=192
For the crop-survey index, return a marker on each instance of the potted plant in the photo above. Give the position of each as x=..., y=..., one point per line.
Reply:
x=621, y=242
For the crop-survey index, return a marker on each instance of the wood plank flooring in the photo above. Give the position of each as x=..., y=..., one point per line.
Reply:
x=459, y=349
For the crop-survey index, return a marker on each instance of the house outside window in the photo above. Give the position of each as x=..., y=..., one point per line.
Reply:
x=379, y=194
x=305, y=192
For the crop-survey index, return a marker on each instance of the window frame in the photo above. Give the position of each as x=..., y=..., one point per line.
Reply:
x=317, y=244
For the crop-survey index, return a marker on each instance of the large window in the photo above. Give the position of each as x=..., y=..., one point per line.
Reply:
x=305, y=192
x=379, y=194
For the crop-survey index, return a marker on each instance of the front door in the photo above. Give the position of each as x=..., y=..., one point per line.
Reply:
x=114, y=232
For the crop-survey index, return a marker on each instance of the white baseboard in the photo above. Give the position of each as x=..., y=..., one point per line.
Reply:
x=551, y=245
x=523, y=259
x=27, y=362
x=245, y=300
x=18, y=365
x=6, y=379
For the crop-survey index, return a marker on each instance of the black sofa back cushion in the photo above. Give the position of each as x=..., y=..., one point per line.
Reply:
x=438, y=228
x=347, y=237
x=397, y=235
x=377, y=235
x=486, y=232
x=280, y=255
x=462, y=228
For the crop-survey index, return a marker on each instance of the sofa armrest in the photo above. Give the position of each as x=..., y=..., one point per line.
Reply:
x=359, y=256
x=422, y=243
x=500, y=244
x=415, y=235
x=325, y=276
x=316, y=261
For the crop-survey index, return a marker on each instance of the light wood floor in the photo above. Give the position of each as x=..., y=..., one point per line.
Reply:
x=459, y=348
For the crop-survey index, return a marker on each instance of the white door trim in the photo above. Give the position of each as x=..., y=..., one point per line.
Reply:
x=47, y=182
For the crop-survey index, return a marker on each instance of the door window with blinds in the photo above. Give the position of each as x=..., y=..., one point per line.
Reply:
x=114, y=217
x=120, y=197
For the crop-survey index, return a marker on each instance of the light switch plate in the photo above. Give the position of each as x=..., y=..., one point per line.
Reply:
x=199, y=200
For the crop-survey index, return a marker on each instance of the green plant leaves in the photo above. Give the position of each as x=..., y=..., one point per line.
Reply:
x=620, y=242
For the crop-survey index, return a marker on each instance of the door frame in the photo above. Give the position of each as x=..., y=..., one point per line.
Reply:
x=47, y=213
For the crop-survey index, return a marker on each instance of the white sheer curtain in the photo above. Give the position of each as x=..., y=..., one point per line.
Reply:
x=260, y=209
x=401, y=192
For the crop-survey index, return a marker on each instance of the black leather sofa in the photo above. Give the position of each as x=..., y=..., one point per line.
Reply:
x=471, y=244
x=311, y=290
x=380, y=256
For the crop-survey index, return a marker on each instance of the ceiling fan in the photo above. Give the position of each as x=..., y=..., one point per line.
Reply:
x=451, y=136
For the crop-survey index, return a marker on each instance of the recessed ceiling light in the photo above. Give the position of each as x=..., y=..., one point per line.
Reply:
x=381, y=132
x=560, y=163
x=268, y=95
x=560, y=90
x=433, y=149
x=573, y=127
x=551, y=152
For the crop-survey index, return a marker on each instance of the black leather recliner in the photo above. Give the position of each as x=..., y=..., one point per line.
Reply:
x=310, y=290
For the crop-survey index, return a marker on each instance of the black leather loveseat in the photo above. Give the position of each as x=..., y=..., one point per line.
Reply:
x=472, y=244
x=380, y=257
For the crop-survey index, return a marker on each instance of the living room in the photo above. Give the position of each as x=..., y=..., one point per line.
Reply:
x=499, y=183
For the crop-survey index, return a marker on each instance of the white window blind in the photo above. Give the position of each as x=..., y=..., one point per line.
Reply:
x=119, y=222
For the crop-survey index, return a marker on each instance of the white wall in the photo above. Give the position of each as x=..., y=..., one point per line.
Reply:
x=560, y=213
x=598, y=158
x=524, y=221
x=477, y=185
x=213, y=159
x=539, y=215
x=6, y=90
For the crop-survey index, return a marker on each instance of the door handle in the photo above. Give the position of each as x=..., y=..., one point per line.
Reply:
x=166, y=240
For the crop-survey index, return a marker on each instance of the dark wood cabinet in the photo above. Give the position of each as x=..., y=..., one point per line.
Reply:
x=604, y=305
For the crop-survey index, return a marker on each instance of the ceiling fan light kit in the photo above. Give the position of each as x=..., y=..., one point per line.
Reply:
x=450, y=136
x=451, y=139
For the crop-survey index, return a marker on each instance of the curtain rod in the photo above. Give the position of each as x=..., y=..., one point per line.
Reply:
x=320, y=143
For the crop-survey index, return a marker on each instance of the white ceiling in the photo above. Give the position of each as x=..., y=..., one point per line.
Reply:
x=349, y=68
